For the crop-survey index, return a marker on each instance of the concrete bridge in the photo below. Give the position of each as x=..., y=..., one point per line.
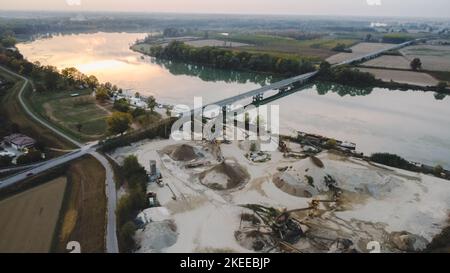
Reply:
x=258, y=94
x=378, y=53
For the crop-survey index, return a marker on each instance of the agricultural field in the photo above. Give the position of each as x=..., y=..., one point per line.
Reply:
x=29, y=218
x=213, y=42
x=385, y=61
x=408, y=77
x=320, y=48
x=360, y=49
x=313, y=49
x=83, y=215
x=79, y=116
x=433, y=57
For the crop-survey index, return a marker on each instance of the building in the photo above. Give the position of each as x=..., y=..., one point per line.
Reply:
x=19, y=141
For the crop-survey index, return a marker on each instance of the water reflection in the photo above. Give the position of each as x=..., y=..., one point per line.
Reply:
x=323, y=88
x=413, y=124
x=215, y=75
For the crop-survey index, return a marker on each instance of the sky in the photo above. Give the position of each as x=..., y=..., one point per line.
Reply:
x=404, y=8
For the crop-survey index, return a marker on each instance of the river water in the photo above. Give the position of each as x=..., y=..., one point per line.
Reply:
x=413, y=124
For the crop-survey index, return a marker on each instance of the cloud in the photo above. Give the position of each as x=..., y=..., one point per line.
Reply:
x=374, y=2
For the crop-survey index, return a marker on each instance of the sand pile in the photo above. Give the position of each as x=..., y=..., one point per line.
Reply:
x=303, y=179
x=156, y=214
x=183, y=153
x=157, y=236
x=227, y=175
x=294, y=186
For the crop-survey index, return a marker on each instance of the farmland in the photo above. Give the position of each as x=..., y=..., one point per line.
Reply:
x=310, y=49
x=29, y=218
x=360, y=49
x=408, y=77
x=83, y=216
x=433, y=57
x=385, y=61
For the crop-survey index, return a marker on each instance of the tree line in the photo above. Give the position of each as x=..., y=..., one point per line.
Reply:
x=45, y=77
x=228, y=59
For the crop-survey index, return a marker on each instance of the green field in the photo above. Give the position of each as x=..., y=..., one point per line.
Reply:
x=317, y=49
x=70, y=112
x=311, y=50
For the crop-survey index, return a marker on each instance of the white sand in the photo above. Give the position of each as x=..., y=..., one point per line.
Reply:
x=206, y=220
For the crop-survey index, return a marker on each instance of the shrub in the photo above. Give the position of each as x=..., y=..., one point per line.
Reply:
x=31, y=157
x=5, y=161
x=391, y=160
x=126, y=235
x=438, y=170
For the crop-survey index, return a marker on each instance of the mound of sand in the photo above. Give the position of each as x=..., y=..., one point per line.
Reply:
x=294, y=186
x=183, y=153
x=157, y=236
x=227, y=175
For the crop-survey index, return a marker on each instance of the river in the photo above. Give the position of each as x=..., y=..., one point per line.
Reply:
x=413, y=124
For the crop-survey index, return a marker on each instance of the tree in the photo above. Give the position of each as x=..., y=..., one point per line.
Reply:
x=92, y=82
x=8, y=41
x=441, y=86
x=71, y=74
x=325, y=69
x=51, y=77
x=119, y=122
x=131, y=165
x=137, y=112
x=151, y=103
x=340, y=48
x=126, y=234
x=30, y=157
x=101, y=94
x=331, y=143
x=121, y=105
x=416, y=64
x=391, y=160
x=438, y=170
x=5, y=161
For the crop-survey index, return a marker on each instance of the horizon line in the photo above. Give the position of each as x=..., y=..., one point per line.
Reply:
x=224, y=13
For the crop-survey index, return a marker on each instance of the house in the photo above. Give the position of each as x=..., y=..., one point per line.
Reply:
x=19, y=141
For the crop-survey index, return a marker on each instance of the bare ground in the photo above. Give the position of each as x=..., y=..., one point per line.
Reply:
x=409, y=77
x=28, y=219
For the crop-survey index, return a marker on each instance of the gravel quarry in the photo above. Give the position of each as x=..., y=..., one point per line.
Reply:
x=214, y=196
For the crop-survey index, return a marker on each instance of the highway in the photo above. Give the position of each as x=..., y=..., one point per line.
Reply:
x=377, y=53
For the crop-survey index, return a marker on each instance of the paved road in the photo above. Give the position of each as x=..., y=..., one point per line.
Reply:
x=16, y=178
x=112, y=245
x=110, y=189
